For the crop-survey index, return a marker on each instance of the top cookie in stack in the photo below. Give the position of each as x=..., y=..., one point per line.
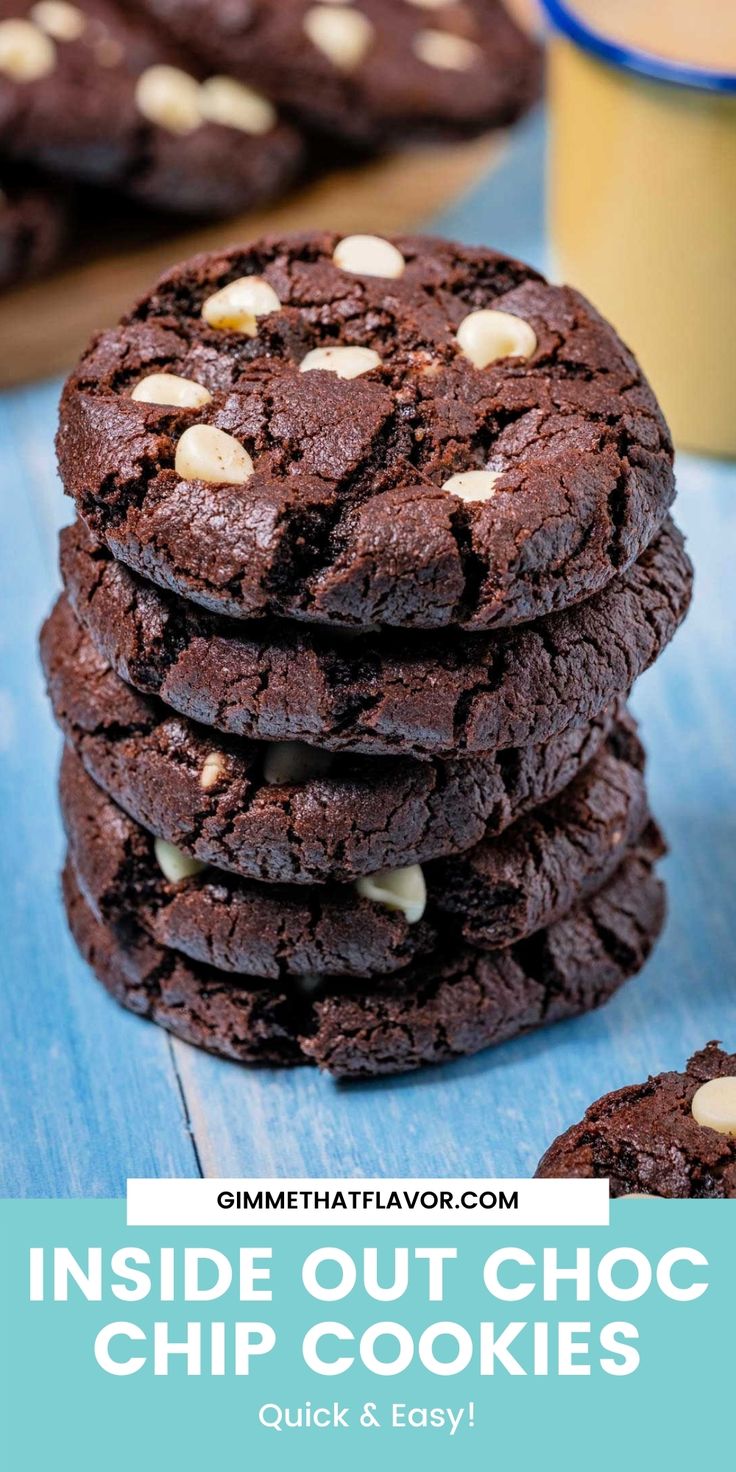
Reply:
x=427, y=436
x=374, y=543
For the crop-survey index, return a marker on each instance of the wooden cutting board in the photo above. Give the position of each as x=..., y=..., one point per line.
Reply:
x=44, y=326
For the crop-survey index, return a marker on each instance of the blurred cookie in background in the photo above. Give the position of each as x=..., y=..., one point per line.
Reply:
x=374, y=72
x=33, y=228
x=92, y=93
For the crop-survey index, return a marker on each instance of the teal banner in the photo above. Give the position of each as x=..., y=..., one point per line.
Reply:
x=135, y=1348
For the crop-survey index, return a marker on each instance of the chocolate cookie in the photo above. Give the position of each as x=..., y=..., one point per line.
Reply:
x=33, y=229
x=90, y=92
x=363, y=432
x=510, y=887
x=431, y=1013
x=213, y=917
x=285, y=812
x=502, y=891
x=673, y=1136
x=390, y=694
x=374, y=71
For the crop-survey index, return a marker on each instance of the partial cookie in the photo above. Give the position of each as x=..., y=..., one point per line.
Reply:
x=673, y=1136
x=33, y=228
x=88, y=91
x=502, y=891
x=284, y=812
x=367, y=432
x=440, y=696
x=429, y=1014
x=372, y=71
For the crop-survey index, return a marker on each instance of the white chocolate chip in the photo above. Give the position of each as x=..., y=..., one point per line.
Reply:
x=396, y=889
x=208, y=454
x=170, y=98
x=473, y=485
x=238, y=304
x=368, y=255
x=714, y=1105
x=486, y=336
x=26, y=53
x=446, y=51
x=233, y=105
x=167, y=388
x=175, y=865
x=59, y=19
x=294, y=761
x=213, y=770
x=430, y=4
x=343, y=36
x=345, y=362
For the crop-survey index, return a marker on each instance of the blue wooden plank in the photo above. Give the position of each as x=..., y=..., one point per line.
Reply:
x=507, y=210
x=86, y=1096
x=89, y=1092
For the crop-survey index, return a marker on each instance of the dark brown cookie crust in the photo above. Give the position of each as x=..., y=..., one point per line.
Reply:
x=510, y=887
x=344, y=520
x=81, y=120
x=382, y=695
x=433, y=1013
x=646, y=1139
x=503, y=891
x=208, y=795
x=214, y=918
x=391, y=94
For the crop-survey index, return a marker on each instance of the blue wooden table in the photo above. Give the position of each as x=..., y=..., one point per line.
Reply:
x=90, y=1095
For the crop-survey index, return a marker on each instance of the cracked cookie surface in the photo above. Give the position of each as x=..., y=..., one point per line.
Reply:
x=447, y=695
x=220, y=799
x=647, y=1140
x=497, y=894
x=98, y=94
x=491, y=454
x=430, y=1014
x=377, y=78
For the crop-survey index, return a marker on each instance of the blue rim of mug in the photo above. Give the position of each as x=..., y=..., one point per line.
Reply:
x=645, y=63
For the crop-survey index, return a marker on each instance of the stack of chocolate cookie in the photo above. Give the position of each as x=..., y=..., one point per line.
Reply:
x=373, y=541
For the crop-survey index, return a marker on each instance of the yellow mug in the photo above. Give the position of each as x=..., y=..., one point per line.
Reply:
x=642, y=191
